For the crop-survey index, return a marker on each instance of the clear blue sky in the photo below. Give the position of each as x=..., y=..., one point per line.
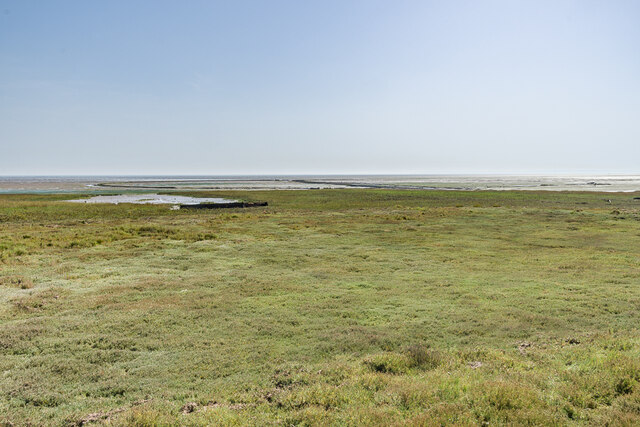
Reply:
x=254, y=87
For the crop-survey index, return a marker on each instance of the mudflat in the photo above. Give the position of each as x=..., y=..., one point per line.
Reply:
x=94, y=184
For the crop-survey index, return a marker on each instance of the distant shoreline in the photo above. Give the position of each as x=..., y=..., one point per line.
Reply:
x=50, y=184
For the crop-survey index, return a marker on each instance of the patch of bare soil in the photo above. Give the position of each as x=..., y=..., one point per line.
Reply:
x=523, y=346
x=106, y=416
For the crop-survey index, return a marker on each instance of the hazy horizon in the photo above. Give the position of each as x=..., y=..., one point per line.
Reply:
x=336, y=174
x=290, y=88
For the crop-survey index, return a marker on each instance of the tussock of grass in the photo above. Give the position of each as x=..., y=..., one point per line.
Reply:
x=388, y=363
x=423, y=357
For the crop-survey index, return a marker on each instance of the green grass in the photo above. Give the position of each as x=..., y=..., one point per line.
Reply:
x=343, y=307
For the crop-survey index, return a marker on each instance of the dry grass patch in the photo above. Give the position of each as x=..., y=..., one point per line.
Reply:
x=19, y=282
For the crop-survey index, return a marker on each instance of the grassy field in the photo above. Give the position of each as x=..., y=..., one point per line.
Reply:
x=342, y=307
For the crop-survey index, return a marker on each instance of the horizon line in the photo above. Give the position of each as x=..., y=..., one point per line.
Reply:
x=198, y=175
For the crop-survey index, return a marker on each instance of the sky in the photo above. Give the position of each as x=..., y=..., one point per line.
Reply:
x=319, y=87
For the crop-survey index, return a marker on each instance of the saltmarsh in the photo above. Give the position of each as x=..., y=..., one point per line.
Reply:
x=343, y=307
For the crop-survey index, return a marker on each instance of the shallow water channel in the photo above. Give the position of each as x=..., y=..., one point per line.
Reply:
x=154, y=199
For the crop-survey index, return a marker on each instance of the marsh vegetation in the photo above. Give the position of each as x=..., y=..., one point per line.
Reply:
x=343, y=307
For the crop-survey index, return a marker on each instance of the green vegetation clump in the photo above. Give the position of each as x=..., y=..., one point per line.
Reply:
x=328, y=307
x=388, y=363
